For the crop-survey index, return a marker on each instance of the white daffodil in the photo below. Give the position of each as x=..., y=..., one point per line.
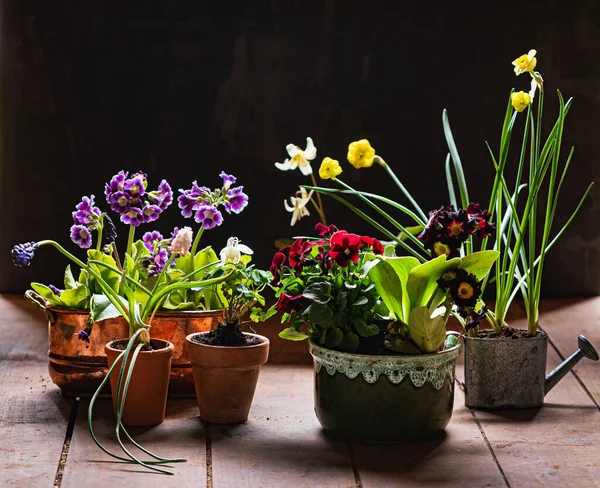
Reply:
x=534, y=85
x=232, y=252
x=299, y=158
x=298, y=205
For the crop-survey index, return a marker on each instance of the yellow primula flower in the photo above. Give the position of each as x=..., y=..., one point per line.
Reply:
x=361, y=154
x=525, y=63
x=330, y=168
x=520, y=100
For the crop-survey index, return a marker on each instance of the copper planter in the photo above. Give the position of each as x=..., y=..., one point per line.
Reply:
x=78, y=368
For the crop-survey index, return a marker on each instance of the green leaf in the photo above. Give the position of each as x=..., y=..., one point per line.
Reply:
x=112, y=278
x=292, y=334
x=69, y=278
x=318, y=313
x=428, y=333
x=334, y=337
x=401, y=345
x=390, y=277
x=360, y=301
x=318, y=292
x=479, y=263
x=422, y=281
x=101, y=308
x=415, y=230
x=341, y=300
x=350, y=342
x=260, y=315
x=75, y=297
x=389, y=251
x=365, y=330
x=47, y=294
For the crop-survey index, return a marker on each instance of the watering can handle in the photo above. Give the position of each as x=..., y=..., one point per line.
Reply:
x=40, y=303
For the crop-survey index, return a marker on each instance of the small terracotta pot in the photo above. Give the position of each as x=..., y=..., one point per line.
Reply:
x=147, y=393
x=225, y=378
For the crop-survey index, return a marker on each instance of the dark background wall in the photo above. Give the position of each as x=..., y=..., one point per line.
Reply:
x=185, y=89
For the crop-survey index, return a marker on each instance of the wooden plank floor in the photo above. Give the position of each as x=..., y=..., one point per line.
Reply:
x=44, y=439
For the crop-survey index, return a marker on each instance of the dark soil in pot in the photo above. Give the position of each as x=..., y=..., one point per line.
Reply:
x=508, y=333
x=228, y=335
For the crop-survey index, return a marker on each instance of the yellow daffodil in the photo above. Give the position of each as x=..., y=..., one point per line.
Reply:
x=330, y=168
x=297, y=205
x=525, y=63
x=299, y=158
x=520, y=100
x=361, y=154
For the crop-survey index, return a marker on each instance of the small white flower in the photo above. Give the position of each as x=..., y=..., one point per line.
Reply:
x=298, y=204
x=534, y=85
x=182, y=242
x=232, y=252
x=299, y=158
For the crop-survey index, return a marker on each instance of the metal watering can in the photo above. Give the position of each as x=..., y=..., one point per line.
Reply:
x=506, y=373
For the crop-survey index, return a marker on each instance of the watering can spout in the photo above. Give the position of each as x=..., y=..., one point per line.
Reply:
x=586, y=350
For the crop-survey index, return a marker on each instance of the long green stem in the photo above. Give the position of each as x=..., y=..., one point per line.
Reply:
x=395, y=179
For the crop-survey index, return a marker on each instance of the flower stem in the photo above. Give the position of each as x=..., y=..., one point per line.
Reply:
x=130, y=239
x=319, y=208
x=381, y=162
x=194, y=249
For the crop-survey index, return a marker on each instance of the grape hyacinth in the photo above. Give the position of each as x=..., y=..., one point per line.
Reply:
x=109, y=232
x=203, y=203
x=22, y=254
x=130, y=198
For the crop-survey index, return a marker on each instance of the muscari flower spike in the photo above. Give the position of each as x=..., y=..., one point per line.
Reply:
x=22, y=254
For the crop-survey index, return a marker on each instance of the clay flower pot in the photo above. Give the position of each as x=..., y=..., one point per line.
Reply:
x=147, y=394
x=225, y=378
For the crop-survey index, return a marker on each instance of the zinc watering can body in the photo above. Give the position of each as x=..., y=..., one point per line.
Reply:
x=506, y=373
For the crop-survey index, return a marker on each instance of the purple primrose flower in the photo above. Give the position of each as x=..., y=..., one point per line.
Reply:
x=208, y=216
x=81, y=236
x=228, y=180
x=134, y=216
x=237, y=200
x=86, y=213
x=84, y=335
x=163, y=196
x=152, y=239
x=158, y=261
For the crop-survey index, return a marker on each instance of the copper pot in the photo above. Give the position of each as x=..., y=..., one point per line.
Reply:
x=78, y=368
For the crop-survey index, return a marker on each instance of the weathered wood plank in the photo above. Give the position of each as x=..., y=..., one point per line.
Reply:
x=33, y=413
x=180, y=435
x=565, y=320
x=458, y=458
x=556, y=445
x=282, y=443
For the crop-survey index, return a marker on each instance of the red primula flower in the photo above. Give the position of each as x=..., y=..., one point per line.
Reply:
x=278, y=261
x=325, y=230
x=291, y=303
x=481, y=220
x=344, y=247
x=324, y=259
x=298, y=254
x=373, y=243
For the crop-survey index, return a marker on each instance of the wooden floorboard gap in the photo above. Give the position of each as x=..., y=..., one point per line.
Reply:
x=357, y=479
x=585, y=388
x=62, y=462
x=487, y=442
x=209, y=482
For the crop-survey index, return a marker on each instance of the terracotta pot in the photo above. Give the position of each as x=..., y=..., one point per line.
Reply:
x=147, y=393
x=225, y=378
x=78, y=368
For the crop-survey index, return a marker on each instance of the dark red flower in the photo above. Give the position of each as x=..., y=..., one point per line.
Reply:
x=298, y=254
x=291, y=303
x=325, y=230
x=481, y=221
x=345, y=247
x=325, y=261
x=278, y=261
x=463, y=287
x=373, y=243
